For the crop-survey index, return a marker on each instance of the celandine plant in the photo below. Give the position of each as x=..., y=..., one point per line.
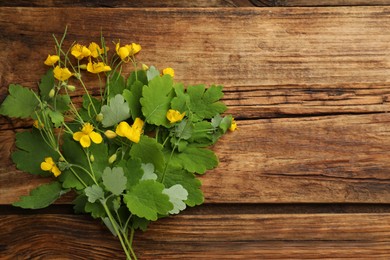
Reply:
x=130, y=150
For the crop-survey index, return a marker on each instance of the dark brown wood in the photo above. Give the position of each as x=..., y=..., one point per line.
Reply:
x=211, y=236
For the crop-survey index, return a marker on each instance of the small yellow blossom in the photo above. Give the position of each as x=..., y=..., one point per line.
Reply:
x=127, y=50
x=233, y=126
x=175, y=116
x=62, y=74
x=86, y=135
x=168, y=71
x=38, y=125
x=97, y=67
x=51, y=60
x=80, y=51
x=95, y=49
x=133, y=133
x=110, y=134
x=49, y=165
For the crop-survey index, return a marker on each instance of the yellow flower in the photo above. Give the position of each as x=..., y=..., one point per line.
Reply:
x=38, y=125
x=175, y=116
x=168, y=71
x=86, y=135
x=51, y=60
x=127, y=50
x=233, y=126
x=97, y=67
x=62, y=74
x=95, y=49
x=49, y=165
x=133, y=133
x=80, y=51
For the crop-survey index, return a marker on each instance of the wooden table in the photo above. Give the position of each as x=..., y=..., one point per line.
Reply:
x=307, y=175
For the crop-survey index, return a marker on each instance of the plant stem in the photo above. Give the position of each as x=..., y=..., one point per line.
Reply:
x=114, y=225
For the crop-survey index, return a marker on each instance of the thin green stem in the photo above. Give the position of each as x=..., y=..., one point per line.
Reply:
x=119, y=234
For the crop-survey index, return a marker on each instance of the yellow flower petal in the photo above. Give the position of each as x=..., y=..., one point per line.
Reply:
x=55, y=171
x=133, y=135
x=95, y=49
x=134, y=48
x=62, y=74
x=174, y=116
x=77, y=136
x=51, y=60
x=138, y=124
x=46, y=166
x=123, y=53
x=122, y=129
x=97, y=67
x=96, y=137
x=168, y=71
x=80, y=51
x=233, y=126
x=85, y=141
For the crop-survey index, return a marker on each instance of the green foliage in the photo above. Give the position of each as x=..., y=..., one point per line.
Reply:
x=177, y=195
x=194, y=159
x=41, y=196
x=149, y=151
x=114, y=180
x=20, y=103
x=32, y=150
x=147, y=200
x=46, y=84
x=117, y=111
x=116, y=84
x=94, y=193
x=132, y=98
x=156, y=100
x=152, y=73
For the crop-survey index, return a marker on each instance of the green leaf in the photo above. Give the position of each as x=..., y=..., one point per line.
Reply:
x=149, y=151
x=96, y=209
x=156, y=100
x=41, y=196
x=74, y=154
x=32, y=150
x=56, y=117
x=147, y=200
x=181, y=101
x=133, y=172
x=177, y=195
x=195, y=159
x=184, y=130
x=20, y=103
x=202, y=133
x=60, y=102
x=139, y=223
x=94, y=193
x=100, y=154
x=117, y=111
x=132, y=98
x=205, y=104
x=79, y=203
x=139, y=75
x=148, y=172
x=116, y=84
x=152, y=72
x=46, y=84
x=114, y=180
x=189, y=182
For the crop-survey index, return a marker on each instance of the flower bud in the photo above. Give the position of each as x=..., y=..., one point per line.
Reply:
x=71, y=87
x=52, y=93
x=145, y=67
x=92, y=158
x=99, y=117
x=83, y=66
x=110, y=134
x=112, y=158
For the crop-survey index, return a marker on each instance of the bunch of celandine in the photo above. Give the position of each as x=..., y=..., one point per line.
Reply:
x=131, y=152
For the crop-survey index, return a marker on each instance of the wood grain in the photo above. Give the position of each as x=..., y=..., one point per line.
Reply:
x=214, y=236
x=288, y=160
x=309, y=88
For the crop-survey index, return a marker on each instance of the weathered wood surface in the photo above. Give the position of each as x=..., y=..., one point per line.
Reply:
x=308, y=86
x=202, y=236
x=310, y=89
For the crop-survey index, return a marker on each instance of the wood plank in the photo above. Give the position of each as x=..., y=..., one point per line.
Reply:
x=214, y=236
x=127, y=3
x=311, y=159
x=324, y=2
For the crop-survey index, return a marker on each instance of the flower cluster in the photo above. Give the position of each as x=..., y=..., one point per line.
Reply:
x=130, y=149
